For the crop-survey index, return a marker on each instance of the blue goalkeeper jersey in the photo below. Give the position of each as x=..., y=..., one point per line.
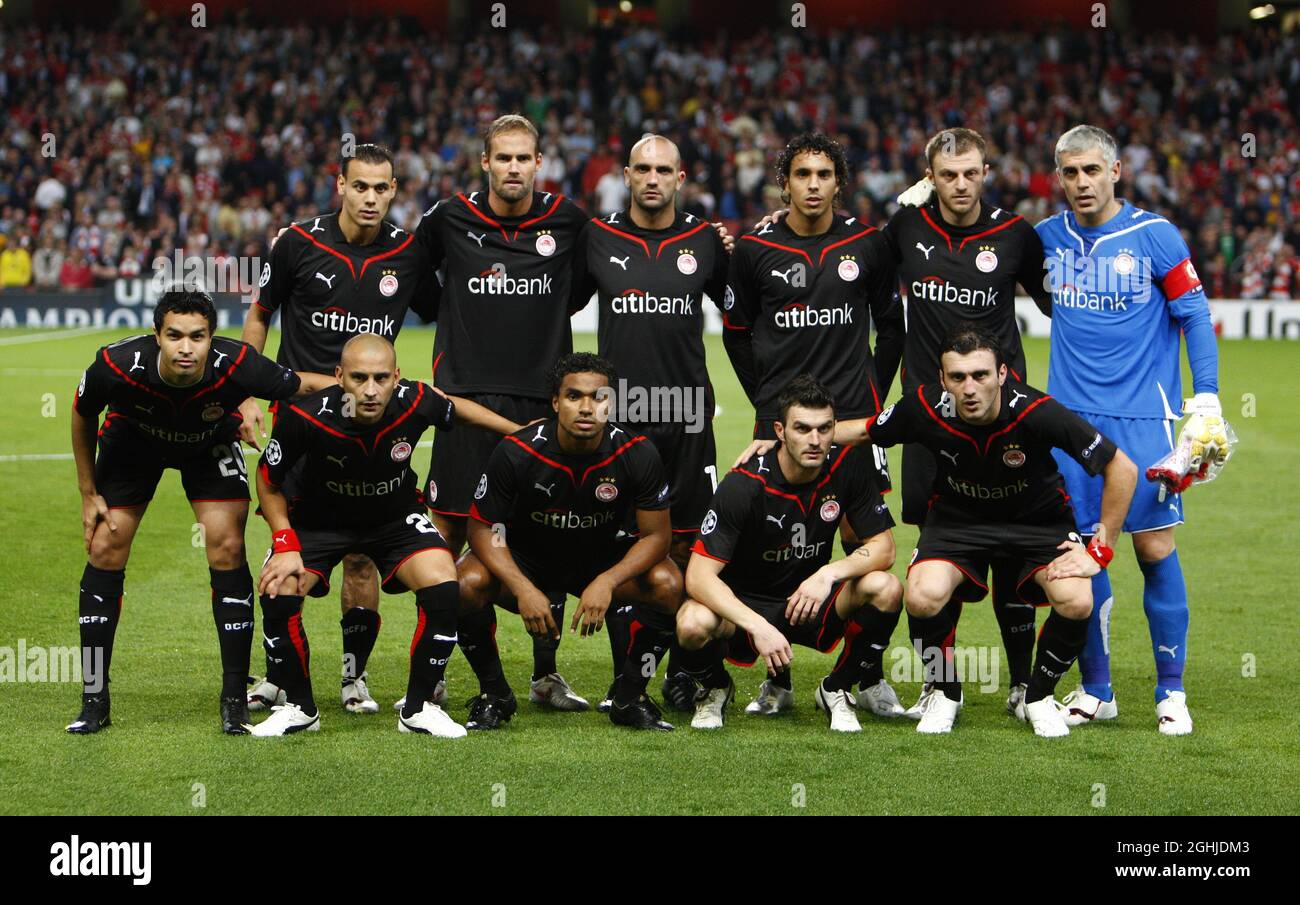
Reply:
x=1122, y=294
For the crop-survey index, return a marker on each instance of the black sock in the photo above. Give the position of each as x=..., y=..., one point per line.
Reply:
x=433, y=642
x=360, y=631
x=286, y=645
x=705, y=665
x=478, y=642
x=652, y=633
x=932, y=637
x=544, y=648
x=617, y=623
x=232, y=610
x=877, y=630
x=783, y=679
x=1016, y=623
x=848, y=667
x=98, y=610
x=1058, y=648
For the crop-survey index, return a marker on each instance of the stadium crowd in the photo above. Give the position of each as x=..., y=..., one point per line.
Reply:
x=121, y=145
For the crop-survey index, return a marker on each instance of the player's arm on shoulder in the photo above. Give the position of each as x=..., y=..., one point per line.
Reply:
x=467, y=411
x=583, y=281
x=1033, y=276
x=428, y=234
x=886, y=310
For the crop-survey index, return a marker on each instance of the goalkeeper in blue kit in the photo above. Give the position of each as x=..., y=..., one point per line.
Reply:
x=1123, y=292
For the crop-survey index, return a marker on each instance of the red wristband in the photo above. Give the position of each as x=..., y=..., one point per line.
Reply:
x=1100, y=552
x=285, y=541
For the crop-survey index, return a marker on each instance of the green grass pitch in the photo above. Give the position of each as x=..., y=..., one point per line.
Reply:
x=164, y=753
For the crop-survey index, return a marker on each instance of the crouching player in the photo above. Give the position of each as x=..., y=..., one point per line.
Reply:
x=545, y=522
x=762, y=565
x=173, y=398
x=359, y=495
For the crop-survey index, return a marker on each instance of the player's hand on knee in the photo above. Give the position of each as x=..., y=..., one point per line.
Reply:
x=592, y=607
x=94, y=510
x=802, y=605
x=773, y=647
x=254, y=422
x=281, y=566
x=535, y=610
x=1074, y=562
x=756, y=448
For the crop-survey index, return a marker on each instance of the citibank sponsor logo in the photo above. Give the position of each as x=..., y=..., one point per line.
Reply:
x=499, y=283
x=937, y=289
x=340, y=321
x=571, y=520
x=797, y=316
x=635, y=301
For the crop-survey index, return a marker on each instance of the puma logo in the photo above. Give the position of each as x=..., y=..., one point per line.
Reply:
x=539, y=435
x=761, y=467
x=316, y=227
x=925, y=249
x=337, y=460
x=1016, y=398
x=328, y=281
x=997, y=212
x=614, y=431
x=1172, y=651
x=1060, y=253
x=545, y=489
x=473, y=198
x=613, y=218
x=221, y=356
x=243, y=601
x=396, y=230
x=783, y=275
x=951, y=456
x=621, y=262
x=325, y=408
x=779, y=522
x=545, y=200
x=401, y=391
x=136, y=364
x=478, y=239
x=767, y=228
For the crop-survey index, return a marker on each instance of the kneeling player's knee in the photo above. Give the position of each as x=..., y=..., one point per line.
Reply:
x=227, y=551
x=693, y=626
x=886, y=592
x=1078, y=607
x=922, y=600
x=1153, y=546
x=473, y=589
x=359, y=568
x=666, y=587
x=106, y=551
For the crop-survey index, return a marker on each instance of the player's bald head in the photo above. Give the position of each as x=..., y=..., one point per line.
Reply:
x=370, y=348
x=657, y=147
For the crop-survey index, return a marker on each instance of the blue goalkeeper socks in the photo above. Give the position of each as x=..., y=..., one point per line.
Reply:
x=1165, y=602
x=1094, y=662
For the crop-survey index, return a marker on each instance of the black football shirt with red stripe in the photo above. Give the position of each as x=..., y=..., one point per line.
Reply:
x=178, y=421
x=955, y=275
x=503, y=312
x=328, y=290
x=557, y=507
x=999, y=472
x=806, y=300
x=353, y=474
x=650, y=286
x=773, y=534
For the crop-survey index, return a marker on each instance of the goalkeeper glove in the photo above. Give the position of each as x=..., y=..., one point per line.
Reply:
x=918, y=194
x=1204, y=445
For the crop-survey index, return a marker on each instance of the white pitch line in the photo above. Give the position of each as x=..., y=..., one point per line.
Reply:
x=66, y=457
x=51, y=335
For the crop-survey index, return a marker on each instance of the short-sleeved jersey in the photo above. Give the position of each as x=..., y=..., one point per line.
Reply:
x=328, y=290
x=650, y=287
x=180, y=421
x=807, y=300
x=1119, y=291
x=773, y=534
x=556, y=506
x=503, y=314
x=998, y=472
x=353, y=474
x=956, y=275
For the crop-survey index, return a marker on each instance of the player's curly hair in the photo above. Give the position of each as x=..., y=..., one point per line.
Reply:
x=807, y=392
x=185, y=300
x=966, y=338
x=581, y=363
x=813, y=143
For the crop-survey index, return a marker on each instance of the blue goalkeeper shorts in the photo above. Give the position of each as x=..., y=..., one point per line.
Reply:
x=1145, y=441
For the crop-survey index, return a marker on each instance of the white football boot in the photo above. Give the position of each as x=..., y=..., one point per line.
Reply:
x=1080, y=708
x=432, y=720
x=553, y=693
x=939, y=713
x=265, y=695
x=356, y=696
x=711, y=707
x=1016, y=697
x=879, y=699
x=438, y=697
x=1172, y=715
x=772, y=699
x=286, y=719
x=1045, y=715
x=838, y=707
x=914, y=712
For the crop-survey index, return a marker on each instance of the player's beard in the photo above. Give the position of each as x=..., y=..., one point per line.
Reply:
x=512, y=194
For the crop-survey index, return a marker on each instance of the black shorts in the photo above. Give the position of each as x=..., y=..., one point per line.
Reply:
x=823, y=632
x=763, y=430
x=690, y=462
x=388, y=545
x=1023, y=550
x=918, y=483
x=460, y=455
x=559, y=575
x=128, y=468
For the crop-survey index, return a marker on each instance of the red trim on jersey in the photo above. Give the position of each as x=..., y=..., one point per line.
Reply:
x=321, y=245
x=628, y=236
x=388, y=254
x=726, y=322
x=618, y=452
x=698, y=547
x=482, y=216
x=212, y=386
x=989, y=232
x=402, y=417
x=1180, y=280
x=1029, y=408
x=230, y=500
x=330, y=430
x=834, y=465
x=796, y=251
x=551, y=462
x=136, y=383
x=952, y=430
x=773, y=490
x=935, y=227
x=1018, y=378
x=450, y=513
x=437, y=359
x=874, y=395
x=473, y=513
x=554, y=205
x=1026, y=580
x=822, y=259
x=678, y=238
x=107, y=418
x=264, y=308
x=266, y=475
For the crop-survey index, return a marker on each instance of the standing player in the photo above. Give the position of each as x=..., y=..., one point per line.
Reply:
x=547, y=519
x=650, y=267
x=762, y=565
x=357, y=493
x=173, y=398
x=1124, y=289
x=332, y=277
x=959, y=261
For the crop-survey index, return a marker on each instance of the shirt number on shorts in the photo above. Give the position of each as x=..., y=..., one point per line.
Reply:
x=230, y=461
x=421, y=523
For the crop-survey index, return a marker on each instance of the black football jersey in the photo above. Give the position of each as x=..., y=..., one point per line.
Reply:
x=650, y=287
x=503, y=314
x=556, y=506
x=963, y=274
x=806, y=300
x=773, y=534
x=998, y=472
x=328, y=290
x=353, y=474
x=180, y=421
